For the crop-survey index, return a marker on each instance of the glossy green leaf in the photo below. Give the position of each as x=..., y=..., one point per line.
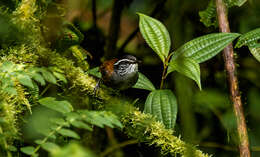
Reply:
x=205, y=47
x=156, y=35
x=144, y=83
x=69, y=133
x=60, y=106
x=187, y=67
x=163, y=105
x=25, y=80
x=50, y=147
x=28, y=150
x=249, y=38
x=255, y=52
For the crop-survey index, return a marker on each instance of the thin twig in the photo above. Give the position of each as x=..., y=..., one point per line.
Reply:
x=117, y=146
x=158, y=7
x=228, y=55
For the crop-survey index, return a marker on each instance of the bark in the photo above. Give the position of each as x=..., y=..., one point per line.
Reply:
x=228, y=55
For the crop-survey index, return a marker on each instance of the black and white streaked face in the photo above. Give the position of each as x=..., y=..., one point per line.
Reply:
x=127, y=65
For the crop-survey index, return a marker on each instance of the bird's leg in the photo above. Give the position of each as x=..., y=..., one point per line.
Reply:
x=97, y=86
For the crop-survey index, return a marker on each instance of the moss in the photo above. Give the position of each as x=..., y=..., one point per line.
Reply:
x=145, y=128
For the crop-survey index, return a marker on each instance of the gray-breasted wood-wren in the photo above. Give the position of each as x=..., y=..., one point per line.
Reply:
x=120, y=73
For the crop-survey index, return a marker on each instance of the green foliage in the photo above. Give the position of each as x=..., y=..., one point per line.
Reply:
x=163, y=105
x=249, y=39
x=144, y=83
x=187, y=67
x=60, y=106
x=238, y=3
x=156, y=35
x=205, y=47
x=208, y=16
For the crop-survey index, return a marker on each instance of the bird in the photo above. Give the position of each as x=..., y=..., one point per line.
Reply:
x=119, y=73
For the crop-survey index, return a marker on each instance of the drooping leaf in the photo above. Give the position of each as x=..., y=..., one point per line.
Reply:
x=25, y=80
x=50, y=147
x=156, y=35
x=249, y=38
x=163, y=105
x=187, y=67
x=28, y=150
x=80, y=124
x=255, y=52
x=10, y=90
x=69, y=133
x=205, y=47
x=144, y=83
x=209, y=15
x=60, y=106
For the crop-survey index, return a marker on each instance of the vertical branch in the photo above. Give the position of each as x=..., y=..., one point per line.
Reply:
x=114, y=28
x=228, y=55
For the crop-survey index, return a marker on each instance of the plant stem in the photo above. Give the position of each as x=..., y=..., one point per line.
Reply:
x=228, y=55
x=163, y=75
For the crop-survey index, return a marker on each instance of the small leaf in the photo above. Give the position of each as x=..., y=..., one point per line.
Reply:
x=39, y=78
x=95, y=72
x=187, y=67
x=80, y=124
x=156, y=35
x=163, y=105
x=205, y=47
x=50, y=147
x=248, y=38
x=255, y=52
x=144, y=83
x=60, y=106
x=28, y=150
x=232, y=3
x=25, y=80
x=48, y=76
x=60, y=77
x=69, y=133
x=208, y=16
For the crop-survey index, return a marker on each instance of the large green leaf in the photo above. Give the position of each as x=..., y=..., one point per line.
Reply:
x=205, y=47
x=156, y=35
x=255, y=52
x=144, y=83
x=187, y=67
x=163, y=105
x=60, y=106
x=249, y=38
